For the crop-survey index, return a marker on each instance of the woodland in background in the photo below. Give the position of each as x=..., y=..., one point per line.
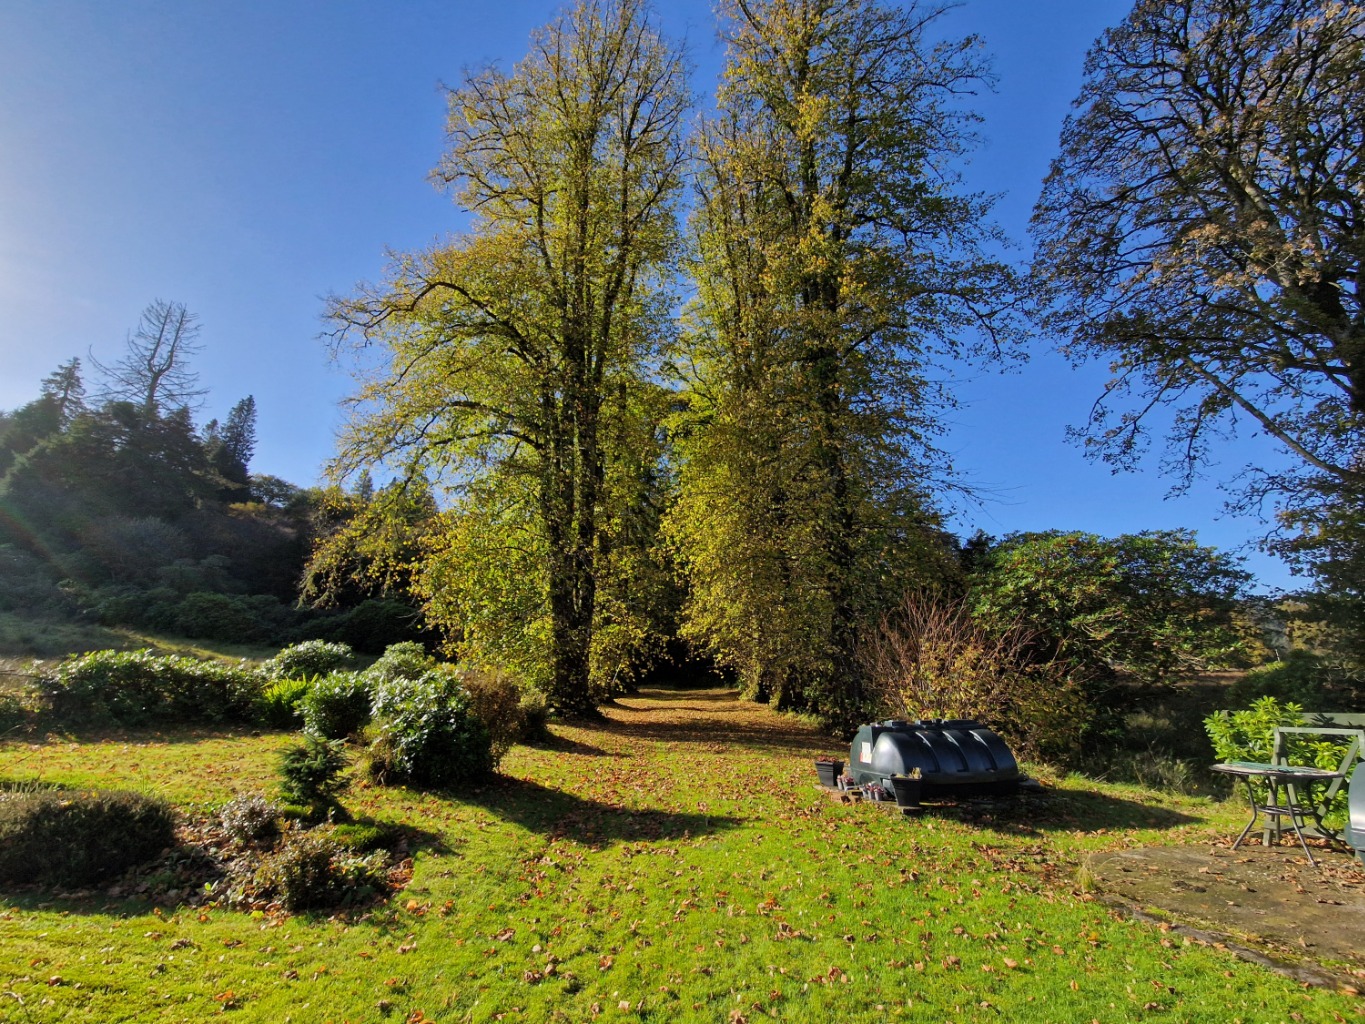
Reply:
x=115, y=508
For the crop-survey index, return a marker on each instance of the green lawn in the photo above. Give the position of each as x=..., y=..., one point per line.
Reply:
x=674, y=863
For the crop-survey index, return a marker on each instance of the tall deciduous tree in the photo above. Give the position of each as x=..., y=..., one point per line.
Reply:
x=834, y=257
x=513, y=351
x=1203, y=228
x=154, y=372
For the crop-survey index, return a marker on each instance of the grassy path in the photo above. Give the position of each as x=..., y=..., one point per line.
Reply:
x=673, y=862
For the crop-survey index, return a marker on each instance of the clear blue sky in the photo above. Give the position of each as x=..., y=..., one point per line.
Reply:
x=248, y=158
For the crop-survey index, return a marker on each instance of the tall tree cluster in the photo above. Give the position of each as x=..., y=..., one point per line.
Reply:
x=781, y=441
x=729, y=431
x=118, y=508
x=518, y=355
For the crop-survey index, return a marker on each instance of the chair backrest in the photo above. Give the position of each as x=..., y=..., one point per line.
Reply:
x=1334, y=719
x=1352, y=752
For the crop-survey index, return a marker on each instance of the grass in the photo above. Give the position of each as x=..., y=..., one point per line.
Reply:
x=23, y=638
x=671, y=863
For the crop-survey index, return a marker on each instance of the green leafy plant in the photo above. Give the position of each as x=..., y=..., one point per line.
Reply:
x=278, y=706
x=337, y=705
x=1249, y=735
x=311, y=773
x=406, y=660
x=310, y=658
x=79, y=837
x=137, y=687
x=426, y=733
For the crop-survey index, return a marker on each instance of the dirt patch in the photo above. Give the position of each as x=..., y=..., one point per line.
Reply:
x=1266, y=900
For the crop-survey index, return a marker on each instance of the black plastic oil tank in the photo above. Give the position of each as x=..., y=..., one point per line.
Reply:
x=953, y=756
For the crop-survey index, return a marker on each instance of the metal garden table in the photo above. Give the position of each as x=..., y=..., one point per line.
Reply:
x=1286, y=778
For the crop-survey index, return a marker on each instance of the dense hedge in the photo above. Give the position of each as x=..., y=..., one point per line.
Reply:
x=139, y=687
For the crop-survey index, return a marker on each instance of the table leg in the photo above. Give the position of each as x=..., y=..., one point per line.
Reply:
x=1255, y=813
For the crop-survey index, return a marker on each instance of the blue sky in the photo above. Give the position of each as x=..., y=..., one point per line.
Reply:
x=248, y=158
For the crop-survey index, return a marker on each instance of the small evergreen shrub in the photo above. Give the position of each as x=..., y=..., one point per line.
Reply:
x=496, y=699
x=279, y=708
x=310, y=773
x=307, y=659
x=336, y=706
x=250, y=819
x=137, y=687
x=75, y=838
x=426, y=733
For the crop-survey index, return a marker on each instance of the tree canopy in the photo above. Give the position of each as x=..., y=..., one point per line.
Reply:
x=1202, y=229
x=1202, y=225
x=1153, y=604
x=518, y=353
x=833, y=258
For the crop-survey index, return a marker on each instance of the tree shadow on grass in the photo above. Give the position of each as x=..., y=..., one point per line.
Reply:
x=557, y=744
x=708, y=717
x=555, y=814
x=1034, y=814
